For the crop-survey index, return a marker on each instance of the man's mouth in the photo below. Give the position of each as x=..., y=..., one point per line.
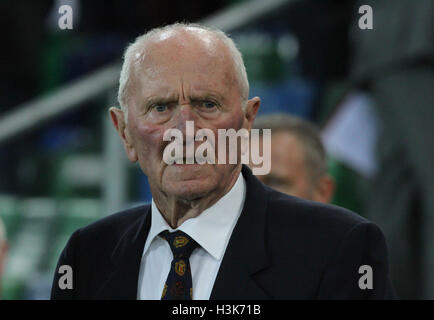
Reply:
x=194, y=160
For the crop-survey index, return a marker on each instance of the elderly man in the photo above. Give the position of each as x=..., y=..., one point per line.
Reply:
x=298, y=159
x=212, y=231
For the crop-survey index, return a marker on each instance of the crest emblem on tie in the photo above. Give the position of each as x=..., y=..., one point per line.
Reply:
x=178, y=289
x=180, y=241
x=180, y=267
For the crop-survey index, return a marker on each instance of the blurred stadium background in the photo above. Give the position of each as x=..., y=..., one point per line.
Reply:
x=62, y=165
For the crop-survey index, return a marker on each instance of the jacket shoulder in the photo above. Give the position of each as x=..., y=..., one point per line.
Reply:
x=114, y=225
x=324, y=245
x=286, y=209
x=310, y=230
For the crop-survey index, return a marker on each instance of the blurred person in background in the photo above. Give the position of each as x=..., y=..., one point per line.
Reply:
x=298, y=158
x=3, y=251
x=394, y=63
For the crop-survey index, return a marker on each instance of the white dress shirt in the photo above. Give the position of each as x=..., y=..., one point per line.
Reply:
x=211, y=230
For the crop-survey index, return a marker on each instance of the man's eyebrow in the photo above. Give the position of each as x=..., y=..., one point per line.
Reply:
x=159, y=99
x=192, y=97
x=208, y=95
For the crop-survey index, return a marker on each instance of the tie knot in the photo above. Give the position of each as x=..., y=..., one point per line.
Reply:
x=180, y=243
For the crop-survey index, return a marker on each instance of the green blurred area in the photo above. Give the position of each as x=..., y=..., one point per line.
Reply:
x=38, y=229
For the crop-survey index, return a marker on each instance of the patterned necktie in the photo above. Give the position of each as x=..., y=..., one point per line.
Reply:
x=179, y=285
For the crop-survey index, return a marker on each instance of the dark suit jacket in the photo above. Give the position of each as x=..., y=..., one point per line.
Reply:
x=282, y=247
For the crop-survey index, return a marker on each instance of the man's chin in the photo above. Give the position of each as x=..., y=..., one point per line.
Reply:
x=190, y=190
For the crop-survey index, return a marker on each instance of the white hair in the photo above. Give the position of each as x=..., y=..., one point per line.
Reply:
x=134, y=48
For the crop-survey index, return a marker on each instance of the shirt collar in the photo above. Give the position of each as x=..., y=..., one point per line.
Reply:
x=213, y=227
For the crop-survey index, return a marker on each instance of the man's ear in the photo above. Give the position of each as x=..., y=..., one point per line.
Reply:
x=251, y=110
x=325, y=189
x=118, y=118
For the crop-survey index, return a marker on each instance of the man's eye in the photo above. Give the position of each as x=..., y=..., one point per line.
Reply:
x=160, y=107
x=208, y=104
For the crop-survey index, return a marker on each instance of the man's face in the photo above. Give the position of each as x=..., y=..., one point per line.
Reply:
x=180, y=77
x=288, y=173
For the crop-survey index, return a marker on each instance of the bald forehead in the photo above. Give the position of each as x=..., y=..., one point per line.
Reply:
x=187, y=37
x=182, y=34
x=187, y=54
x=181, y=45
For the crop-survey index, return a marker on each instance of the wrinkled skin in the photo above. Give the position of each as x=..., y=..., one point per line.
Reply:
x=182, y=75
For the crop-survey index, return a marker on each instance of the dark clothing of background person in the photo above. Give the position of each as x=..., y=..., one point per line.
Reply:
x=395, y=61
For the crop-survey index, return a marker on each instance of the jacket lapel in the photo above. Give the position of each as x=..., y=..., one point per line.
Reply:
x=122, y=280
x=246, y=253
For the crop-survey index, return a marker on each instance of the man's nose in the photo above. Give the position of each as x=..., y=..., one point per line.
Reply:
x=185, y=113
